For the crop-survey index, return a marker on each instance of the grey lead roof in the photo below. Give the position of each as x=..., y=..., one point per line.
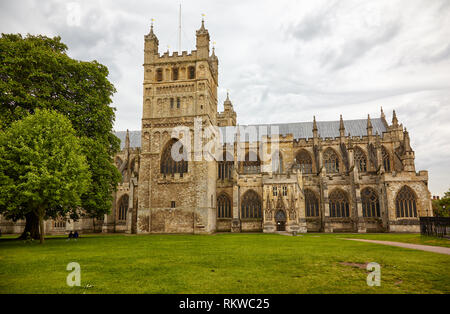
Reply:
x=326, y=129
x=135, y=138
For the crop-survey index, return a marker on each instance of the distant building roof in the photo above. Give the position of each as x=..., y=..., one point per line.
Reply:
x=135, y=138
x=297, y=129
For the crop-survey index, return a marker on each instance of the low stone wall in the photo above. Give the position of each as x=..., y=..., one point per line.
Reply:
x=251, y=225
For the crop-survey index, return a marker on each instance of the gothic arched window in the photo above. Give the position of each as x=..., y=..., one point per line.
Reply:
x=132, y=166
x=176, y=163
x=251, y=163
x=223, y=206
x=331, y=161
x=339, y=204
x=251, y=205
x=125, y=172
x=311, y=204
x=370, y=203
x=123, y=208
x=277, y=163
x=386, y=159
x=191, y=72
x=304, y=161
x=405, y=203
x=225, y=167
x=175, y=74
x=360, y=159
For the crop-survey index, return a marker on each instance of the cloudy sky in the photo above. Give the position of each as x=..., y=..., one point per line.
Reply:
x=282, y=61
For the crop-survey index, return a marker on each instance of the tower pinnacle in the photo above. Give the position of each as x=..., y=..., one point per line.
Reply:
x=394, y=119
x=341, y=127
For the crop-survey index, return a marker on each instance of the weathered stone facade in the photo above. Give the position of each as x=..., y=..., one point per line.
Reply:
x=319, y=176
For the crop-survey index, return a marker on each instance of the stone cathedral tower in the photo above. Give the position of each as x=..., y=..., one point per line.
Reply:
x=177, y=196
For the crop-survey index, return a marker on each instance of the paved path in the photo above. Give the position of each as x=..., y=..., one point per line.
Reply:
x=428, y=248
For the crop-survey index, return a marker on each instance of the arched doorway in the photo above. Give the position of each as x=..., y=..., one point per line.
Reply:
x=280, y=220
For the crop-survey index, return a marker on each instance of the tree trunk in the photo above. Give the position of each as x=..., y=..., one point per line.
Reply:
x=31, y=226
x=41, y=228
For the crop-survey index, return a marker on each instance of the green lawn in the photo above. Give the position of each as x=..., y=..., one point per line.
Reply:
x=221, y=263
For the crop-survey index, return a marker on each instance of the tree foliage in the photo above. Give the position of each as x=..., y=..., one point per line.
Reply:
x=36, y=73
x=42, y=167
x=441, y=207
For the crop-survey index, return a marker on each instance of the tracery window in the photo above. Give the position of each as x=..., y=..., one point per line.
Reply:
x=284, y=190
x=191, y=72
x=125, y=173
x=360, y=160
x=406, y=203
x=304, y=162
x=251, y=205
x=339, y=204
x=277, y=163
x=386, y=159
x=274, y=191
x=370, y=203
x=159, y=75
x=225, y=167
x=223, y=206
x=331, y=161
x=123, y=208
x=311, y=204
x=171, y=166
x=251, y=164
x=175, y=74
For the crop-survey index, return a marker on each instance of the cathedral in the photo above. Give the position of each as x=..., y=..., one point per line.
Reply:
x=315, y=176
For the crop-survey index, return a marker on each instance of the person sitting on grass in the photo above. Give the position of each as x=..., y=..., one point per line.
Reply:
x=75, y=235
x=70, y=236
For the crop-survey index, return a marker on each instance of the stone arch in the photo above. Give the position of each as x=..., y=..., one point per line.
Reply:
x=331, y=160
x=225, y=166
x=118, y=161
x=169, y=164
x=224, y=207
x=251, y=205
x=311, y=204
x=406, y=203
x=360, y=159
x=122, y=207
x=251, y=163
x=157, y=140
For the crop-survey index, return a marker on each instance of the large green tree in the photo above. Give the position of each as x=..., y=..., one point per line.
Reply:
x=36, y=72
x=42, y=167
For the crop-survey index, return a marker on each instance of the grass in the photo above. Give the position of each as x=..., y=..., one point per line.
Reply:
x=221, y=263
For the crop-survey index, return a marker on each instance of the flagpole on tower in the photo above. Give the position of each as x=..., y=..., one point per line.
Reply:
x=179, y=30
